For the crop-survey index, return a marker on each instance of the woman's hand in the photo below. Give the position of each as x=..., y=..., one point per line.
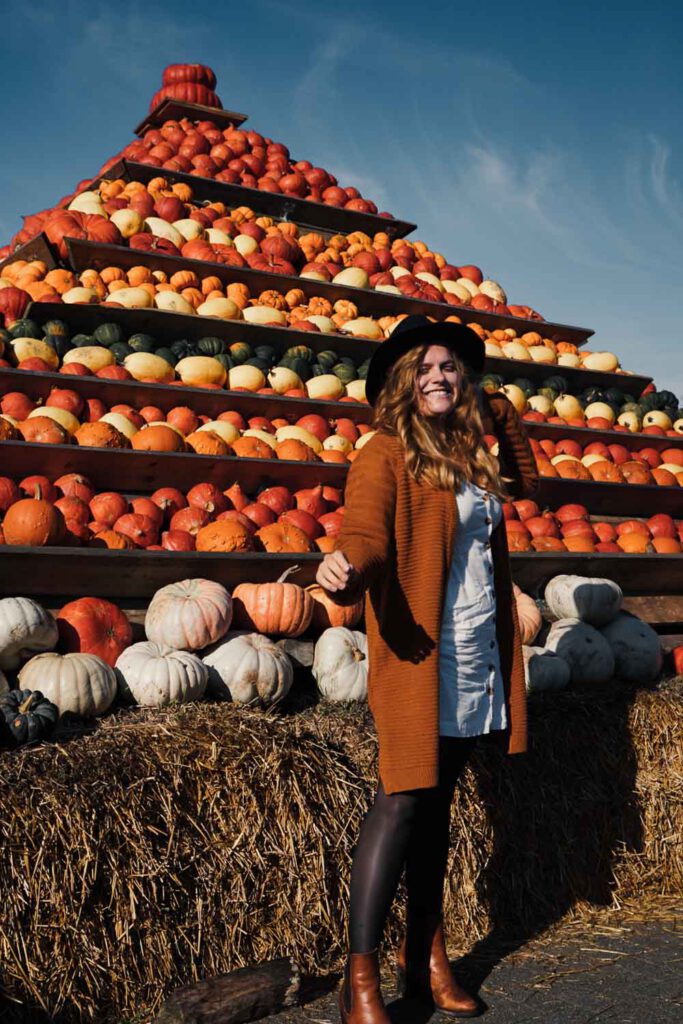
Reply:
x=336, y=574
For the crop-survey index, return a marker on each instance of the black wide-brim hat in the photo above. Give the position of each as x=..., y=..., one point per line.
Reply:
x=419, y=330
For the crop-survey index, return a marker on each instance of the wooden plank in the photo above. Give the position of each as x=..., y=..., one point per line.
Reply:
x=331, y=220
x=631, y=383
x=126, y=470
x=122, y=576
x=203, y=401
x=584, y=435
x=637, y=575
x=624, y=500
x=84, y=254
x=37, y=248
x=173, y=110
x=657, y=609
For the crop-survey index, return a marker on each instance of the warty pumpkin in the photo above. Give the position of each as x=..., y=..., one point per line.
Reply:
x=33, y=522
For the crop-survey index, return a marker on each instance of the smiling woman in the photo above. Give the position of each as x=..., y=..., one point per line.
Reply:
x=438, y=381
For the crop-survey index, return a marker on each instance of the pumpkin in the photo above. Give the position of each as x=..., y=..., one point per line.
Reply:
x=637, y=649
x=196, y=371
x=157, y=437
x=283, y=536
x=224, y=536
x=281, y=608
x=327, y=614
x=43, y=430
x=33, y=522
x=147, y=366
x=100, y=435
x=528, y=614
x=93, y=626
x=155, y=676
x=207, y=442
x=544, y=670
x=82, y=684
x=142, y=530
x=340, y=664
x=249, y=669
x=105, y=538
x=587, y=652
x=590, y=599
x=93, y=357
x=170, y=500
x=252, y=448
x=226, y=430
x=295, y=450
x=27, y=715
x=108, y=506
x=25, y=628
x=8, y=432
x=189, y=615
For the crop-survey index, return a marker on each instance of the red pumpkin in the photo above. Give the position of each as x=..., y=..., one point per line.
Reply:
x=237, y=496
x=147, y=507
x=64, y=224
x=311, y=499
x=9, y=493
x=233, y=516
x=279, y=499
x=331, y=522
x=139, y=528
x=305, y=521
x=186, y=92
x=13, y=303
x=33, y=522
x=260, y=514
x=108, y=507
x=189, y=519
x=170, y=500
x=90, y=625
x=37, y=486
x=177, y=540
x=74, y=509
x=16, y=404
x=209, y=498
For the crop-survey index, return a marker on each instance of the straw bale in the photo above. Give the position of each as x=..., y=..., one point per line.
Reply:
x=170, y=845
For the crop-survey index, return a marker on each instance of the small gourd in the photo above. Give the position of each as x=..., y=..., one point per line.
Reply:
x=26, y=716
x=340, y=664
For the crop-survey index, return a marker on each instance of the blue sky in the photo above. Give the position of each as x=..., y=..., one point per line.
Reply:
x=540, y=141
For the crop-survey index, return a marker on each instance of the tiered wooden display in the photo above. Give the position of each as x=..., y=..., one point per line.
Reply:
x=132, y=576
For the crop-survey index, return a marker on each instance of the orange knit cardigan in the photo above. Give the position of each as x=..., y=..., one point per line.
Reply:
x=399, y=535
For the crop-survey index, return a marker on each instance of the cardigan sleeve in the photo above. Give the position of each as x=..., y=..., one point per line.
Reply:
x=516, y=455
x=367, y=534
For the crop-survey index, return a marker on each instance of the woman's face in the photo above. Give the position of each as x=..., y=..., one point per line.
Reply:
x=438, y=381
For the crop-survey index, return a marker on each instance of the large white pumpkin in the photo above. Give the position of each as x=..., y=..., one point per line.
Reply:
x=593, y=600
x=80, y=683
x=340, y=664
x=586, y=650
x=189, y=615
x=155, y=676
x=25, y=629
x=249, y=669
x=636, y=646
x=544, y=670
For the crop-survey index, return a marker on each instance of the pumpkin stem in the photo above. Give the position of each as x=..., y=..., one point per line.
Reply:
x=288, y=572
x=27, y=704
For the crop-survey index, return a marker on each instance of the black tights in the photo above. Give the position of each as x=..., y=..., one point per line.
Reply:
x=410, y=830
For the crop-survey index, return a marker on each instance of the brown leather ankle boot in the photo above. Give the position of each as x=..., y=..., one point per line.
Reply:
x=360, y=996
x=423, y=970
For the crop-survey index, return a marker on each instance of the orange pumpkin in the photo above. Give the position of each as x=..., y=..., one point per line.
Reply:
x=568, y=470
x=226, y=535
x=8, y=432
x=158, y=438
x=634, y=543
x=606, y=472
x=296, y=451
x=577, y=542
x=100, y=435
x=283, y=537
x=325, y=544
x=252, y=448
x=636, y=473
x=112, y=540
x=43, y=430
x=33, y=522
x=663, y=477
x=333, y=456
x=90, y=625
x=548, y=544
x=183, y=419
x=206, y=442
x=281, y=608
x=326, y=613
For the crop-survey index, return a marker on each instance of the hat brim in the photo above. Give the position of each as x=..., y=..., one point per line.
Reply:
x=459, y=338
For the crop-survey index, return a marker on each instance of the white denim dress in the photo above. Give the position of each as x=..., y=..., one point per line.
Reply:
x=471, y=695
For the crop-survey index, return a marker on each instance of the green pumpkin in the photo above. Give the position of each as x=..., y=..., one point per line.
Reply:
x=108, y=334
x=649, y=402
x=260, y=364
x=26, y=329
x=142, y=343
x=27, y=716
x=317, y=370
x=211, y=346
x=165, y=353
x=667, y=399
x=56, y=327
x=526, y=386
x=327, y=359
x=592, y=394
x=344, y=372
x=267, y=353
x=120, y=350
x=82, y=340
x=558, y=383
x=241, y=351
x=301, y=367
x=302, y=352
x=615, y=396
x=225, y=360
x=58, y=343
x=491, y=382
x=183, y=348
x=363, y=370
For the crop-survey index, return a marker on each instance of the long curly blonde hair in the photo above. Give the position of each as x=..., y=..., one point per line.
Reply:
x=440, y=452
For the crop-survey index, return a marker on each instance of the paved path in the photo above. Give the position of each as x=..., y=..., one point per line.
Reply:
x=628, y=974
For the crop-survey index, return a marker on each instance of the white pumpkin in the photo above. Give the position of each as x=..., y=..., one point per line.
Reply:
x=155, y=676
x=354, y=277
x=586, y=650
x=249, y=669
x=544, y=670
x=82, y=684
x=26, y=628
x=340, y=664
x=189, y=615
x=636, y=646
x=591, y=599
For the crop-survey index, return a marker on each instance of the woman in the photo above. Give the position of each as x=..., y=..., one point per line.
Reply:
x=424, y=534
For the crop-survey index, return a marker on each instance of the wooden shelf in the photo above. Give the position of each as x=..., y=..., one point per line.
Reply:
x=625, y=500
x=37, y=248
x=126, y=470
x=83, y=254
x=174, y=110
x=584, y=436
x=635, y=574
x=203, y=401
x=317, y=216
x=509, y=369
x=125, y=575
